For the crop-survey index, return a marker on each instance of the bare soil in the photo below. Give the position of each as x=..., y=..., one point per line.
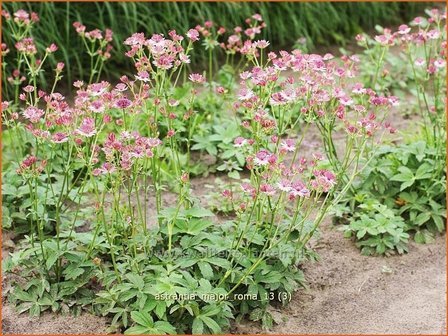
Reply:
x=354, y=294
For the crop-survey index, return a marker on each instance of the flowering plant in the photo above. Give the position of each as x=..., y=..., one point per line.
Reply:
x=125, y=150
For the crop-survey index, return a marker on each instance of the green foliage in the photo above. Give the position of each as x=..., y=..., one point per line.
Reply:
x=403, y=189
x=219, y=143
x=197, y=287
x=378, y=230
x=57, y=286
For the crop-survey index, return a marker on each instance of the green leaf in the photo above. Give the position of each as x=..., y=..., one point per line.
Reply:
x=406, y=175
x=137, y=330
x=206, y=269
x=234, y=175
x=194, y=226
x=165, y=327
x=406, y=184
x=211, y=324
x=52, y=257
x=23, y=296
x=160, y=309
x=422, y=218
x=256, y=314
x=198, y=212
x=423, y=172
x=73, y=273
x=197, y=327
x=136, y=280
x=143, y=319
x=439, y=223
x=35, y=309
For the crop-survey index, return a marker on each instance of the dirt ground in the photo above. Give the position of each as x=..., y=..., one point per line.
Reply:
x=354, y=294
x=349, y=293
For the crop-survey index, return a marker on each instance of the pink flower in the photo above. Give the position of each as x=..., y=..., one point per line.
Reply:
x=358, y=88
x=21, y=15
x=143, y=76
x=107, y=168
x=403, y=29
x=33, y=114
x=346, y=101
x=6, y=14
x=80, y=29
x=135, y=39
x=87, y=128
x=184, y=58
x=227, y=194
x=78, y=84
x=439, y=63
x=196, y=78
x=239, y=142
x=299, y=189
x=325, y=180
x=59, y=137
x=184, y=178
x=52, y=48
x=220, y=90
x=262, y=158
x=257, y=17
x=433, y=34
x=418, y=21
x=97, y=106
x=267, y=189
x=26, y=46
x=153, y=142
x=245, y=94
x=284, y=185
x=28, y=88
x=288, y=145
x=164, y=62
x=261, y=44
x=29, y=161
x=123, y=103
x=193, y=35
x=248, y=189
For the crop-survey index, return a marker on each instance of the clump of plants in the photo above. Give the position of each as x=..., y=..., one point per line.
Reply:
x=120, y=150
x=377, y=228
x=408, y=178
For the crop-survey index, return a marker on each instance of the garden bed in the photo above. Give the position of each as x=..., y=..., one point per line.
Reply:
x=285, y=192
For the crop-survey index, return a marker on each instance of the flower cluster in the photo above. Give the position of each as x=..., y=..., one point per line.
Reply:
x=242, y=40
x=159, y=52
x=21, y=17
x=422, y=31
x=96, y=41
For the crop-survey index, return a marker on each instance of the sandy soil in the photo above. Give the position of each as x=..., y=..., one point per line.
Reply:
x=349, y=293
x=354, y=294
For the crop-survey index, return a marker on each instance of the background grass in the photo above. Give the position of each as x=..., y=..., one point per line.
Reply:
x=320, y=23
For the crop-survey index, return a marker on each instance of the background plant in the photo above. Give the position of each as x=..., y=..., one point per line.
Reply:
x=409, y=178
x=339, y=23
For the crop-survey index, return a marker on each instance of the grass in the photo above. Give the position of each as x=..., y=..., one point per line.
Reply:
x=320, y=23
